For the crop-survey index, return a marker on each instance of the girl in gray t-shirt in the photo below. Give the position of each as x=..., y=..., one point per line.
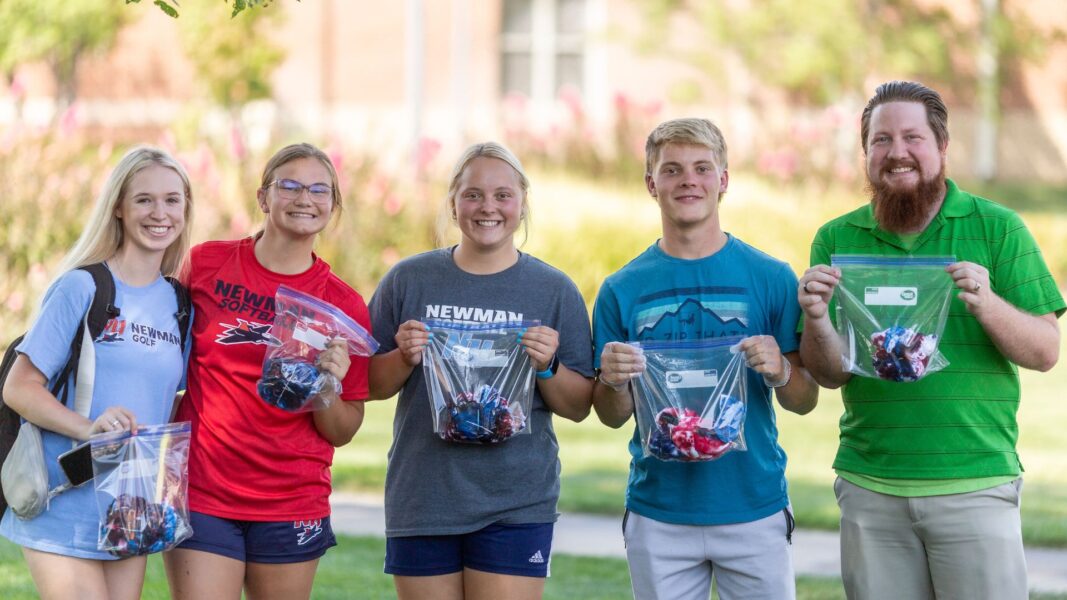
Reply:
x=470, y=517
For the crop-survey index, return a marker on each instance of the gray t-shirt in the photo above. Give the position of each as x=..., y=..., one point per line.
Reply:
x=436, y=487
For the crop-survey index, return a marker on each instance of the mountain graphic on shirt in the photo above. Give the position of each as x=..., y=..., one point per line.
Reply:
x=660, y=322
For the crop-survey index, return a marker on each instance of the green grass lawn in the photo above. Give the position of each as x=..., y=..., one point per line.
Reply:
x=353, y=571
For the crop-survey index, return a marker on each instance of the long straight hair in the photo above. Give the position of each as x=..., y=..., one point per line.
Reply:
x=103, y=234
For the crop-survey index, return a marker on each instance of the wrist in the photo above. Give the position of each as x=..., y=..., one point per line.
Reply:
x=617, y=387
x=787, y=374
x=550, y=370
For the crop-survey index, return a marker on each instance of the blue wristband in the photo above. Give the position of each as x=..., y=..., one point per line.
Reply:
x=550, y=370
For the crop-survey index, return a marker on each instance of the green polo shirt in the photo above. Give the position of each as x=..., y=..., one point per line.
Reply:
x=960, y=422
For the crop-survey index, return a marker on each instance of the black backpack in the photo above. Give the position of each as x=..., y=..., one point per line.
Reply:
x=101, y=310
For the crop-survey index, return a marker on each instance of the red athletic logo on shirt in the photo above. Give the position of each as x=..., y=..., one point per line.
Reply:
x=113, y=331
x=246, y=332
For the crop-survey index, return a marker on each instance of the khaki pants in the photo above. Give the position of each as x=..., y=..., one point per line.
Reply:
x=957, y=546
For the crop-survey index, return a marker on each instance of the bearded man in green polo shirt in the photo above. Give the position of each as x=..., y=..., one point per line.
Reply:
x=928, y=474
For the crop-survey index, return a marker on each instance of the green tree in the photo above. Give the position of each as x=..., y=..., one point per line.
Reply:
x=820, y=50
x=234, y=59
x=58, y=33
x=170, y=7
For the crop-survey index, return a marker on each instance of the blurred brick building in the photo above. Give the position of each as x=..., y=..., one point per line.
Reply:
x=387, y=73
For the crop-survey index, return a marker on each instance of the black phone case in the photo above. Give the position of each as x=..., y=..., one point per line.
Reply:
x=77, y=464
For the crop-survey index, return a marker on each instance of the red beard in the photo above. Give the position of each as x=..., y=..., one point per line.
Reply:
x=906, y=210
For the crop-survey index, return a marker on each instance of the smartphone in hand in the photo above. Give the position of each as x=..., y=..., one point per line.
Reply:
x=77, y=464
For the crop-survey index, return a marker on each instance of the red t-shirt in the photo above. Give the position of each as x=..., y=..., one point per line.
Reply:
x=249, y=460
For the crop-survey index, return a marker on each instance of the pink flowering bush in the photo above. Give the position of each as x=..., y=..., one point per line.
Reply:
x=52, y=179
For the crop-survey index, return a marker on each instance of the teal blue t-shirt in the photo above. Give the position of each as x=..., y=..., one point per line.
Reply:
x=739, y=290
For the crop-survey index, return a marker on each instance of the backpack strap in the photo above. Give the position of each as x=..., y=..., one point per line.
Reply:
x=185, y=309
x=101, y=310
x=86, y=375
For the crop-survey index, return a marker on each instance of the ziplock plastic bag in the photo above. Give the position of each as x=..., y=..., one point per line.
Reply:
x=480, y=379
x=690, y=401
x=142, y=483
x=292, y=380
x=891, y=312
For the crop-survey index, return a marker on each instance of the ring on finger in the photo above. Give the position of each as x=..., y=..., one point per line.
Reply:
x=806, y=290
x=977, y=287
x=115, y=422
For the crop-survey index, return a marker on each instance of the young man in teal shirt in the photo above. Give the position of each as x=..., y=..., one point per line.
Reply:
x=729, y=518
x=928, y=475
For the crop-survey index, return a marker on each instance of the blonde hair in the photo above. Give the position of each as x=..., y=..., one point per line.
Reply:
x=487, y=150
x=295, y=152
x=103, y=234
x=700, y=132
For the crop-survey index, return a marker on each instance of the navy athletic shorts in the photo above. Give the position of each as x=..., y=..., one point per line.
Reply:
x=499, y=548
x=261, y=541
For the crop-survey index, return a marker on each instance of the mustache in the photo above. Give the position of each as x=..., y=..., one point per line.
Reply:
x=900, y=162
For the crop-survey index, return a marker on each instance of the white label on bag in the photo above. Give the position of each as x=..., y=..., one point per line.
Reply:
x=479, y=357
x=890, y=296
x=137, y=468
x=699, y=378
x=303, y=333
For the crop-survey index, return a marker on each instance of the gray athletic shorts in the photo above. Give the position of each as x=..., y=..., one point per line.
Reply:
x=677, y=562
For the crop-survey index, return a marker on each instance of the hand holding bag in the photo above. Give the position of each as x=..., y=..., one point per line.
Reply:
x=480, y=380
x=142, y=484
x=890, y=314
x=691, y=400
x=303, y=325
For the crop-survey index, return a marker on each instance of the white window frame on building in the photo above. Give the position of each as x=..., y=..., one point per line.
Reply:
x=546, y=40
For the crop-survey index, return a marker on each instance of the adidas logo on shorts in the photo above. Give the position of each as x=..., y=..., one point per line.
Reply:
x=537, y=558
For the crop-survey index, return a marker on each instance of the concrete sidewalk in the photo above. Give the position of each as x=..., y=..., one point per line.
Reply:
x=814, y=552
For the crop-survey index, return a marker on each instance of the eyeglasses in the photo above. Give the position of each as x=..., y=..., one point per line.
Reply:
x=291, y=190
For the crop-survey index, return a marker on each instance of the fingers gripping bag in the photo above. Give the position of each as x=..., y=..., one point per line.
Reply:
x=480, y=380
x=303, y=324
x=690, y=401
x=141, y=482
x=891, y=313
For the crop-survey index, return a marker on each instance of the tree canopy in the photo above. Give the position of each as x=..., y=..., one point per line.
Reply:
x=170, y=7
x=819, y=50
x=58, y=34
x=236, y=61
